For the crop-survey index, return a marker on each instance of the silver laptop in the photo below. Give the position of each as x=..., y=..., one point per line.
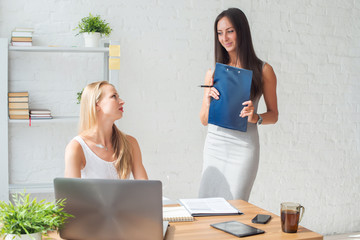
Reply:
x=111, y=209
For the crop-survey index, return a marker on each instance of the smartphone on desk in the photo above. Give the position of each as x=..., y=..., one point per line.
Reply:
x=261, y=218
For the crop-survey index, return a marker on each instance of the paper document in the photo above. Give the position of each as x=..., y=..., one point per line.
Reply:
x=209, y=206
x=355, y=236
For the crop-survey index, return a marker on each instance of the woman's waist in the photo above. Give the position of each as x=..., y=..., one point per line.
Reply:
x=226, y=132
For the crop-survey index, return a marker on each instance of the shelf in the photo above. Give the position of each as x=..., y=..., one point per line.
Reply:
x=57, y=119
x=31, y=188
x=6, y=52
x=59, y=49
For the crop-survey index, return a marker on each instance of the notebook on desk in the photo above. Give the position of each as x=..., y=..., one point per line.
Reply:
x=111, y=209
x=199, y=207
x=177, y=214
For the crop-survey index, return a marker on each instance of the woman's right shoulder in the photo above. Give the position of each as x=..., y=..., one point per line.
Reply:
x=74, y=145
x=74, y=159
x=74, y=151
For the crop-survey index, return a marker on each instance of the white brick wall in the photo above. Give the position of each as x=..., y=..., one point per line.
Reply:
x=310, y=156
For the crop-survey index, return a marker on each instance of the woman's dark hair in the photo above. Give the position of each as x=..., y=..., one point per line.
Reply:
x=244, y=48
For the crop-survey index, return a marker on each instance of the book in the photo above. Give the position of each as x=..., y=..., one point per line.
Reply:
x=35, y=117
x=177, y=214
x=18, y=94
x=18, y=112
x=40, y=111
x=18, y=99
x=234, y=86
x=19, y=116
x=21, y=44
x=18, y=105
x=40, y=115
x=209, y=207
x=21, y=34
x=21, y=39
x=20, y=29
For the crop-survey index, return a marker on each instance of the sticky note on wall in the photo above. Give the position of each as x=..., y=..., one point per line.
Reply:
x=114, y=63
x=114, y=50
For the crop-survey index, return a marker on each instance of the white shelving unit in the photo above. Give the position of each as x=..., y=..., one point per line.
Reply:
x=5, y=186
x=57, y=49
x=4, y=144
x=70, y=50
x=44, y=121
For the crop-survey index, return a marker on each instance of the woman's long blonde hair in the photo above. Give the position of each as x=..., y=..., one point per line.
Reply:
x=88, y=119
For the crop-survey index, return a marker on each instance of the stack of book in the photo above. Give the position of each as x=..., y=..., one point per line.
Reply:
x=18, y=105
x=40, y=114
x=22, y=37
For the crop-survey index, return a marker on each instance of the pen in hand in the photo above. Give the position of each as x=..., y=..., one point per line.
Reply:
x=205, y=86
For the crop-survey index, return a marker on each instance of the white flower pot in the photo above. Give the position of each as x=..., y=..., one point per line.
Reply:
x=33, y=236
x=92, y=39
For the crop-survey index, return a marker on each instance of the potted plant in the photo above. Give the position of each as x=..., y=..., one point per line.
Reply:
x=78, y=96
x=27, y=219
x=92, y=28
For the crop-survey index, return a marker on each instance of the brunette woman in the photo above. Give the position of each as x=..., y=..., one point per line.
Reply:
x=231, y=157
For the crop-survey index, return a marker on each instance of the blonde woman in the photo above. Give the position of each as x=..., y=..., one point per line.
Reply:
x=101, y=150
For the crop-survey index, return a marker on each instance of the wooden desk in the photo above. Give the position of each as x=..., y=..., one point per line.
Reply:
x=200, y=228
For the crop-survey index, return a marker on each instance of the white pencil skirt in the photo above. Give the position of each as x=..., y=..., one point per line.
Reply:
x=231, y=160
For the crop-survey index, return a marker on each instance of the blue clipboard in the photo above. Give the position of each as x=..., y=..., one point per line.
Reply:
x=234, y=86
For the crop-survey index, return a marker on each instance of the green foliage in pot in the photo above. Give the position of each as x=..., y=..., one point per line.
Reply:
x=27, y=216
x=78, y=96
x=93, y=24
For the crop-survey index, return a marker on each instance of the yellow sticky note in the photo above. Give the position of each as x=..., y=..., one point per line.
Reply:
x=114, y=63
x=114, y=50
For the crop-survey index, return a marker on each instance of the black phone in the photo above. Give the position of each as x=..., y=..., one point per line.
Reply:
x=237, y=228
x=261, y=218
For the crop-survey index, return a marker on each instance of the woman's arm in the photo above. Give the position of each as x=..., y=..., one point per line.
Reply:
x=74, y=160
x=269, y=92
x=208, y=93
x=137, y=167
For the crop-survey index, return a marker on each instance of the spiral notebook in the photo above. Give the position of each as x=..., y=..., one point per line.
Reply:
x=177, y=214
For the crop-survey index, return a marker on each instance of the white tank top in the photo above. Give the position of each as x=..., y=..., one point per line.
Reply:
x=95, y=167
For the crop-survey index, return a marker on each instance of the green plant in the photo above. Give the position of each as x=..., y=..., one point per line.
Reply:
x=27, y=216
x=93, y=24
x=78, y=94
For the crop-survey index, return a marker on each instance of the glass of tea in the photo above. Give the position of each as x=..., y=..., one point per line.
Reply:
x=291, y=215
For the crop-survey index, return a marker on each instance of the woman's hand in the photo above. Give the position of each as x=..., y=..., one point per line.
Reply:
x=248, y=111
x=209, y=80
x=214, y=93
